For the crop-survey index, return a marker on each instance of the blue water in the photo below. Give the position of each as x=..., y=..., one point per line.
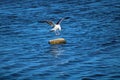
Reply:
x=92, y=33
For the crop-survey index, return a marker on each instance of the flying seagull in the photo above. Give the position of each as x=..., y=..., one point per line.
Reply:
x=55, y=27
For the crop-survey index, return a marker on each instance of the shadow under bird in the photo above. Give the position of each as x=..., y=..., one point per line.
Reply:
x=55, y=27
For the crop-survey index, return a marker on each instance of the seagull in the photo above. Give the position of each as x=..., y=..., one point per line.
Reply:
x=55, y=27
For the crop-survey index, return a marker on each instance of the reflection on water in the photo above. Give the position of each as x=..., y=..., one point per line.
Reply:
x=56, y=50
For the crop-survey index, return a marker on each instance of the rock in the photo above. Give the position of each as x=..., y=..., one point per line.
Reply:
x=57, y=41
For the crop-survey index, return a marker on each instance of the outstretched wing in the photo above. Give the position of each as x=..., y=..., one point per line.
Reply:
x=62, y=20
x=50, y=23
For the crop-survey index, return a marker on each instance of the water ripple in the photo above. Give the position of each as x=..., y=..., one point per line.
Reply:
x=92, y=33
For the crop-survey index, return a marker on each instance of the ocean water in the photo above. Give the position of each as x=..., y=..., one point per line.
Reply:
x=92, y=32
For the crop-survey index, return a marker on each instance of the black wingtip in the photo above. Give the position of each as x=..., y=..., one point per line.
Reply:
x=41, y=21
x=66, y=17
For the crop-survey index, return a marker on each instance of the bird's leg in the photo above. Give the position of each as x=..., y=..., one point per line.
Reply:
x=57, y=32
